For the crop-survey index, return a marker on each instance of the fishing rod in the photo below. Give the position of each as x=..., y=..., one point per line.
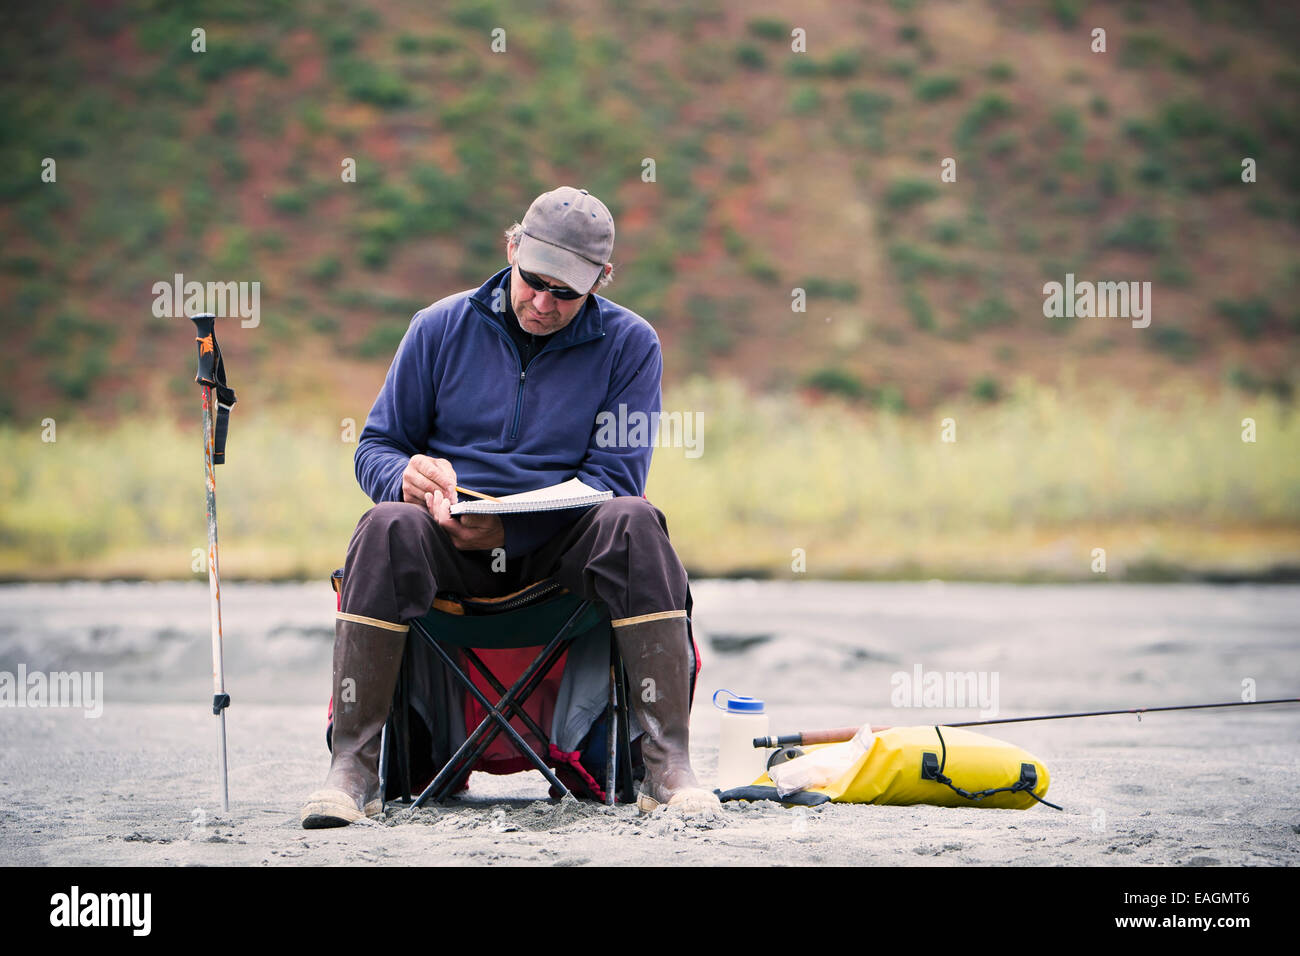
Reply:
x=218, y=398
x=841, y=734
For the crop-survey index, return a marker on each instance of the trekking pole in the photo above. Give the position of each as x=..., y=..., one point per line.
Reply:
x=216, y=419
x=841, y=734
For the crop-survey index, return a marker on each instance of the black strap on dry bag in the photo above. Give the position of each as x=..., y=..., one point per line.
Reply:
x=932, y=767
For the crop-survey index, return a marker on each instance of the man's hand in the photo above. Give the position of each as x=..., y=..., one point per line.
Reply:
x=467, y=532
x=424, y=475
x=432, y=482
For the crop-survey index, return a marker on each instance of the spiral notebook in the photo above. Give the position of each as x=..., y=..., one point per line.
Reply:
x=573, y=493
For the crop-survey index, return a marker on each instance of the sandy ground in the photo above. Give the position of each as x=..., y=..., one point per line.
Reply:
x=136, y=785
x=94, y=792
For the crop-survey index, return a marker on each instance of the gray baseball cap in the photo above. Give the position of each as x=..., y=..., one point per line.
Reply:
x=568, y=235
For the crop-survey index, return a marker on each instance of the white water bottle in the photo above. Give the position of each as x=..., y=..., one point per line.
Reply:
x=740, y=763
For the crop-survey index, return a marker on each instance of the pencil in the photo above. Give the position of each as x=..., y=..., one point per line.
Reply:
x=475, y=494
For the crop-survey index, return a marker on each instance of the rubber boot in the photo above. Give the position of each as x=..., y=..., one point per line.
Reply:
x=366, y=662
x=658, y=659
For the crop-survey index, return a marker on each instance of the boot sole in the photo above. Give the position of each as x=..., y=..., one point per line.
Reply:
x=326, y=809
x=693, y=800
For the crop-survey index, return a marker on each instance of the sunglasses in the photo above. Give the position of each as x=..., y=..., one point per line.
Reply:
x=560, y=292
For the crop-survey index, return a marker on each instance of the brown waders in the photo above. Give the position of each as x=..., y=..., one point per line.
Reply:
x=616, y=552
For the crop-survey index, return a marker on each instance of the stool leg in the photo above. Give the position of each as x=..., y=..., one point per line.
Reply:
x=403, y=713
x=486, y=733
x=385, y=738
x=498, y=718
x=611, y=724
x=624, y=737
x=494, y=716
x=511, y=708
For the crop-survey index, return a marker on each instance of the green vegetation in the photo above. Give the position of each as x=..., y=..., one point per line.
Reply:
x=928, y=89
x=890, y=399
x=806, y=99
x=751, y=57
x=766, y=28
x=986, y=389
x=880, y=491
x=947, y=231
x=819, y=287
x=1177, y=343
x=147, y=485
x=226, y=165
x=1141, y=50
x=868, y=108
x=325, y=269
x=1248, y=317
x=711, y=333
x=919, y=309
x=843, y=63
x=833, y=380
x=915, y=261
x=381, y=340
x=986, y=111
x=837, y=65
x=1239, y=376
x=992, y=310
x=1139, y=232
x=1066, y=12
x=902, y=194
x=758, y=266
x=368, y=83
x=292, y=202
x=74, y=374
x=1192, y=147
x=227, y=56
x=877, y=490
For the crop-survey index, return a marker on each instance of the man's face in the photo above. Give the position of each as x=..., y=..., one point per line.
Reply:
x=540, y=313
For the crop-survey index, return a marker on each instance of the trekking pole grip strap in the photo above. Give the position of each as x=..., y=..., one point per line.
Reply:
x=212, y=373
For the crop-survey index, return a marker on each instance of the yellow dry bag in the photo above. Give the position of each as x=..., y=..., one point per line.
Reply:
x=943, y=766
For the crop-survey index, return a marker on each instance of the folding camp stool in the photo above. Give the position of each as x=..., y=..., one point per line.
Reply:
x=543, y=615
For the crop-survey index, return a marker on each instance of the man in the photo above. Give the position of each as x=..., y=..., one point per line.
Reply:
x=499, y=390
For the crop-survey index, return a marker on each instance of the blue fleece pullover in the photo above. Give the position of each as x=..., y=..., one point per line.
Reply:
x=456, y=390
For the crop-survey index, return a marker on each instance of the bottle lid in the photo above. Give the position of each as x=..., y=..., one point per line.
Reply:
x=739, y=704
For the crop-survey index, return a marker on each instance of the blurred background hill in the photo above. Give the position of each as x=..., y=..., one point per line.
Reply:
x=774, y=171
